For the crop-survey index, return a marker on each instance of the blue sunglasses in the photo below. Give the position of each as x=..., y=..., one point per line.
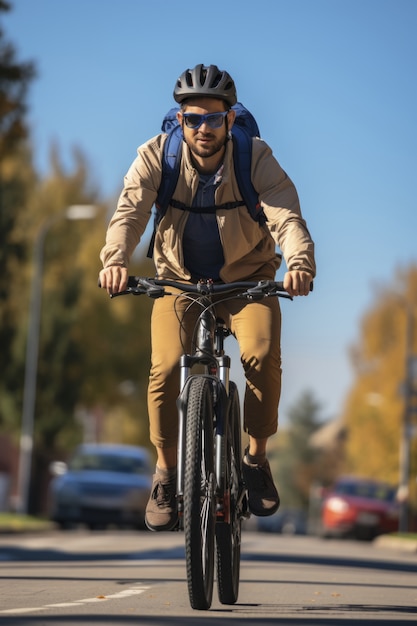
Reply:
x=194, y=120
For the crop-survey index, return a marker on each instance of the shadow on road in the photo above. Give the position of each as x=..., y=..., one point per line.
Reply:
x=333, y=561
x=207, y=620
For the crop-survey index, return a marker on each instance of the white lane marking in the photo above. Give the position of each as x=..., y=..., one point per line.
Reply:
x=120, y=595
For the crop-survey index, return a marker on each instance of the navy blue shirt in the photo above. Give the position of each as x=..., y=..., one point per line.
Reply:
x=202, y=248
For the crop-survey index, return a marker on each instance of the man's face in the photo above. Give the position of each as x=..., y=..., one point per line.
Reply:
x=205, y=141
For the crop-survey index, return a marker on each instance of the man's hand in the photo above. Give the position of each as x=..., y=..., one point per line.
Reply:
x=297, y=282
x=114, y=279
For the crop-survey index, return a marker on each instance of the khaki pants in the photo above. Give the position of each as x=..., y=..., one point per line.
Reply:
x=257, y=328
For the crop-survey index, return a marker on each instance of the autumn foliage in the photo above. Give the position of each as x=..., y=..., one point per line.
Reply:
x=376, y=406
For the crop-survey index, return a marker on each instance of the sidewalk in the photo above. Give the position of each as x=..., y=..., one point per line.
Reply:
x=393, y=542
x=13, y=523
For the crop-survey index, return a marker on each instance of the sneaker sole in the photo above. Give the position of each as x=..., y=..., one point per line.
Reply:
x=166, y=527
x=264, y=512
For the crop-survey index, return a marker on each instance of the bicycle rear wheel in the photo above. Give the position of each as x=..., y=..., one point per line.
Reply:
x=199, y=490
x=228, y=532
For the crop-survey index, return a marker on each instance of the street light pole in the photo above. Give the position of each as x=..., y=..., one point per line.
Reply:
x=407, y=429
x=73, y=212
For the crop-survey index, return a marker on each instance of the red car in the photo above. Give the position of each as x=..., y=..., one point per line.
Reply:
x=359, y=508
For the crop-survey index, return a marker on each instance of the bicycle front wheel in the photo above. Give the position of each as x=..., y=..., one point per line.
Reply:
x=228, y=532
x=199, y=493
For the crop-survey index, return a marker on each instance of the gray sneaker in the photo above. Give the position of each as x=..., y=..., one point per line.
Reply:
x=161, y=510
x=262, y=494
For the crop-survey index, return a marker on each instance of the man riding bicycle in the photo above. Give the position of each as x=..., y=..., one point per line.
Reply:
x=224, y=246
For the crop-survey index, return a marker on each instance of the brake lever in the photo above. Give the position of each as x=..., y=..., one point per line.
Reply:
x=151, y=290
x=266, y=289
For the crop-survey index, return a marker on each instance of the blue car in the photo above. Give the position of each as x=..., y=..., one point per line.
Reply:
x=103, y=484
x=285, y=521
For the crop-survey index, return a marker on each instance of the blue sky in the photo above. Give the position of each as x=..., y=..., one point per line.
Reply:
x=333, y=86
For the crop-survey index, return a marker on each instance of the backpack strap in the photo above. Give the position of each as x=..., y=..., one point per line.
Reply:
x=171, y=160
x=242, y=160
x=211, y=209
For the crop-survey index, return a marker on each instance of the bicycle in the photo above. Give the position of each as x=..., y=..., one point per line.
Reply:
x=211, y=495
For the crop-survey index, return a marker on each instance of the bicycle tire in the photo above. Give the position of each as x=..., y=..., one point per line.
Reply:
x=199, y=494
x=228, y=533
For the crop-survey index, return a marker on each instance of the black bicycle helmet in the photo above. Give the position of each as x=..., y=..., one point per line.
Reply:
x=205, y=81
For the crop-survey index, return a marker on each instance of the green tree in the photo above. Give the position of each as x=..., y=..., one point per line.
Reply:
x=295, y=460
x=16, y=179
x=15, y=77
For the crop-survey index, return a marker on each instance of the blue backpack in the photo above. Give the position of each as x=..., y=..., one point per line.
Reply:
x=244, y=129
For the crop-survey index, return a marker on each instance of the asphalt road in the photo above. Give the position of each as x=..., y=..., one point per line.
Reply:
x=127, y=578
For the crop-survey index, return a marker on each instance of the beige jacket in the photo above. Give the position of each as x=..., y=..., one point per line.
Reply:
x=249, y=249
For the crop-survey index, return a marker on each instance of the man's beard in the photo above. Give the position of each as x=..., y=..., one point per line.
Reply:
x=206, y=152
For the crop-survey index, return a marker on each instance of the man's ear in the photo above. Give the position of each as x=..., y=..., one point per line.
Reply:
x=179, y=117
x=231, y=116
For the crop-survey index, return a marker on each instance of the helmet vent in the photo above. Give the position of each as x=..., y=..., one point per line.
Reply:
x=189, y=79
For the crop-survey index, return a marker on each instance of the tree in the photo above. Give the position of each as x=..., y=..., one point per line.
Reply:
x=295, y=458
x=14, y=81
x=93, y=353
x=16, y=179
x=89, y=347
x=375, y=408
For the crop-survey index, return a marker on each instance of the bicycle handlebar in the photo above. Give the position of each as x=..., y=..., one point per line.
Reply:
x=156, y=288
